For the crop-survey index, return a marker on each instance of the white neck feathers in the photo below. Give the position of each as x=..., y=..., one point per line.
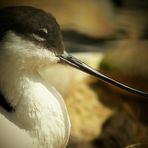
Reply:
x=39, y=109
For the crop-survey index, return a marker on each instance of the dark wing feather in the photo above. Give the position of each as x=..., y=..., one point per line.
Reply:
x=5, y=104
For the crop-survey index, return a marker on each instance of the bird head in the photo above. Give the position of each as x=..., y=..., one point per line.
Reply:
x=29, y=37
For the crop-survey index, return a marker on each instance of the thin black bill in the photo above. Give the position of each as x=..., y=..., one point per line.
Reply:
x=74, y=62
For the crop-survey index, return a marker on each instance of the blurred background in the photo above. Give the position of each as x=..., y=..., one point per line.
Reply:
x=112, y=37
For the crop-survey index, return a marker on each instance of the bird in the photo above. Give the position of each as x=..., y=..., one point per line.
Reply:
x=31, y=39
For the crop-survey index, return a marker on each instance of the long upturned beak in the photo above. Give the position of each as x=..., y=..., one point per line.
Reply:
x=74, y=62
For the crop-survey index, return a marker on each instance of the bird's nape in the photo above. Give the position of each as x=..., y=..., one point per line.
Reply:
x=76, y=63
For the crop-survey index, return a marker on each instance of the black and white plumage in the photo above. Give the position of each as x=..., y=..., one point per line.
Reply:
x=29, y=39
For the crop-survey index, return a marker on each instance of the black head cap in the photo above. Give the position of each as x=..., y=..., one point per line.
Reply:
x=26, y=20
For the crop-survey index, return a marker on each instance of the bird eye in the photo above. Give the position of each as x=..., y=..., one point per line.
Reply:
x=38, y=38
x=40, y=35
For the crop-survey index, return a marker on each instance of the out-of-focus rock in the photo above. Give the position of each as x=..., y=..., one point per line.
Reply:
x=121, y=131
x=128, y=64
x=132, y=4
x=87, y=114
x=132, y=23
x=94, y=18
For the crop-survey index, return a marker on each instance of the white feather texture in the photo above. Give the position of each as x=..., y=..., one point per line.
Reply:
x=40, y=114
